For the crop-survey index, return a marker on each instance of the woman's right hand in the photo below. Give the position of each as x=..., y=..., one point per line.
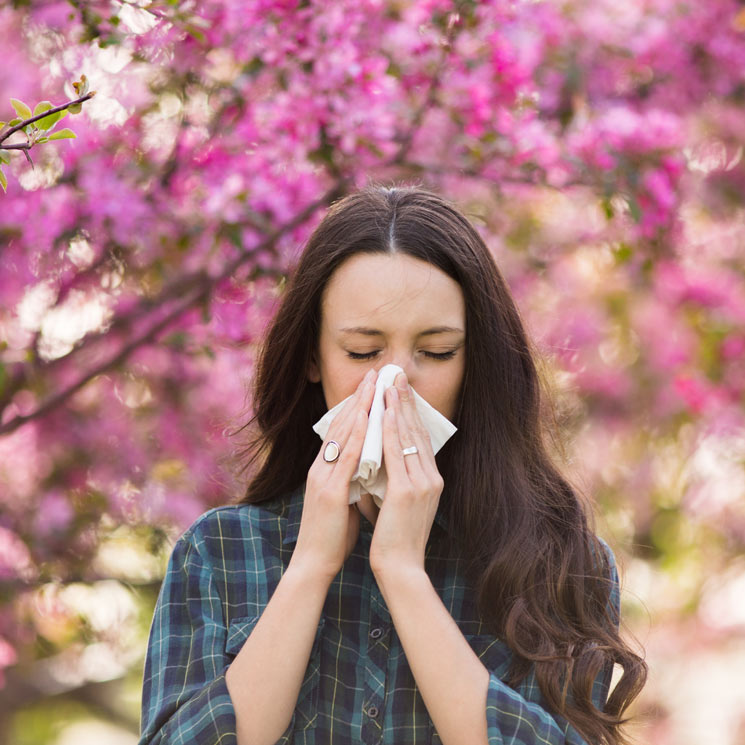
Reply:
x=329, y=526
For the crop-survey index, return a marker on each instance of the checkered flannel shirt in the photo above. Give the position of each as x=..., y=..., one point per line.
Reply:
x=358, y=686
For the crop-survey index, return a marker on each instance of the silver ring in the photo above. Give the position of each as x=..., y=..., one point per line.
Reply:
x=410, y=451
x=331, y=451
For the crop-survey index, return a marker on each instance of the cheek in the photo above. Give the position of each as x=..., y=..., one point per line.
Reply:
x=452, y=393
x=441, y=392
x=340, y=380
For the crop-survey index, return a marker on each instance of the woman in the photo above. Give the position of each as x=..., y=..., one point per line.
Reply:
x=475, y=605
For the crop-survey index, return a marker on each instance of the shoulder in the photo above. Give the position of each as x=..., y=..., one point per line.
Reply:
x=230, y=517
x=233, y=529
x=607, y=559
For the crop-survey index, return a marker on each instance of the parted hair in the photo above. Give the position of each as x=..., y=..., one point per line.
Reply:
x=542, y=577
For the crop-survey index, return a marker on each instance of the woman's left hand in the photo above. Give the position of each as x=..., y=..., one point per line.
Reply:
x=414, y=486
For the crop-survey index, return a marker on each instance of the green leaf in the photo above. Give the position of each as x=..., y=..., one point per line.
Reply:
x=194, y=32
x=622, y=253
x=177, y=340
x=42, y=139
x=21, y=109
x=63, y=134
x=4, y=157
x=49, y=121
x=13, y=122
x=3, y=180
x=634, y=208
x=42, y=106
x=2, y=124
x=75, y=108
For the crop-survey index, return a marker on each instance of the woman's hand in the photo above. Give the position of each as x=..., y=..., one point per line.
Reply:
x=414, y=486
x=329, y=526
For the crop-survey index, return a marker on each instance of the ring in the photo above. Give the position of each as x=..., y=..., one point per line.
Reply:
x=331, y=451
x=410, y=451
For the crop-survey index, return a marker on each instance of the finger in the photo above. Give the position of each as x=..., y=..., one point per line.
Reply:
x=350, y=439
x=412, y=431
x=349, y=457
x=412, y=428
x=334, y=478
x=394, y=459
x=406, y=437
x=343, y=423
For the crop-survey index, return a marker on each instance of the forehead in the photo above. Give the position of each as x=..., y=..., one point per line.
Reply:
x=386, y=287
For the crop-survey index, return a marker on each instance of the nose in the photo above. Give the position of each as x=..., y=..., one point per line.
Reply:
x=406, y=364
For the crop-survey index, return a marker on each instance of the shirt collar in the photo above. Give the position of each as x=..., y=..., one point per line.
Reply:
x=295, y=513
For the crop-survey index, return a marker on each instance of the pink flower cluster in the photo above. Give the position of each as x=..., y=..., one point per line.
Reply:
x=218, y=125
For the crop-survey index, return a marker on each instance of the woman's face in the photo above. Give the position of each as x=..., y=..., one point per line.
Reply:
x=392, y=308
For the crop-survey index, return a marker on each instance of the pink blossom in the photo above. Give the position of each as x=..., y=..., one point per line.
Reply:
x=700, y=395
x=658, y=186
x=733, y=348
x=666, y=341
x=15, y=559
x=612, y=384
x=53, y=514
x=705, y=286
x=541, y=120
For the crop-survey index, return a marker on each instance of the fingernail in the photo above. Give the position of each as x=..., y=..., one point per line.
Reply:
x=401, y=382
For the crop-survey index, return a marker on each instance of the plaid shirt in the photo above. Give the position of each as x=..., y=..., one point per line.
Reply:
x=358, y=686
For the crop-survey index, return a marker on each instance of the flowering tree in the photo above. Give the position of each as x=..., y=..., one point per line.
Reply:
x=598, y=147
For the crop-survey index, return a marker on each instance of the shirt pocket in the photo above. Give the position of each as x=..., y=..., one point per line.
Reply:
x=306, y=709
x=493, y=653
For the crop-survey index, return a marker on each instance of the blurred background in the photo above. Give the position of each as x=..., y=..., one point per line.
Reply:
x=597, y=146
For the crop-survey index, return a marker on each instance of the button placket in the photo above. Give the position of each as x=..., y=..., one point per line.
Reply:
x=376, y=666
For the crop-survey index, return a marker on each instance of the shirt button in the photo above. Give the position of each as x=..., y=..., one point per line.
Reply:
x=375, y=633
x=372, y=712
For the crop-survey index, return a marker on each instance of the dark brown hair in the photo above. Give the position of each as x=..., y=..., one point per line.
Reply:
x=543, y=579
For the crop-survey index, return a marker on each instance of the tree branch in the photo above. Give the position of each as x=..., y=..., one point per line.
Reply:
x=147, y=8
x=430, y=98
x=203, y=292
x=474, y=173
x=48, y=112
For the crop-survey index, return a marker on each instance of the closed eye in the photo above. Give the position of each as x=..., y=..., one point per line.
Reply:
x=432, y=355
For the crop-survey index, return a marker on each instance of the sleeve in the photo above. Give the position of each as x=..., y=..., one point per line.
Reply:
x=184, y=697
x=512, y=719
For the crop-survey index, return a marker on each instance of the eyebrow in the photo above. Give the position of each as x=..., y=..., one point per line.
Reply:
x=427, y=332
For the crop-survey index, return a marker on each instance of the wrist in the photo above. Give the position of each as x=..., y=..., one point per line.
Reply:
x=398, y=572
x=309, y=574
x=400, y=582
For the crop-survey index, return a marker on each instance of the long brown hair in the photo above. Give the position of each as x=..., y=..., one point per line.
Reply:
x=542, y=577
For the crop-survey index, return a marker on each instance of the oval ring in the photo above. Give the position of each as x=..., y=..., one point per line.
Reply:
x=331, y=451
x=410, y=451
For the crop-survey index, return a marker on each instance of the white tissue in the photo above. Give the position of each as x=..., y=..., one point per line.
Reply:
x=370, y=475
